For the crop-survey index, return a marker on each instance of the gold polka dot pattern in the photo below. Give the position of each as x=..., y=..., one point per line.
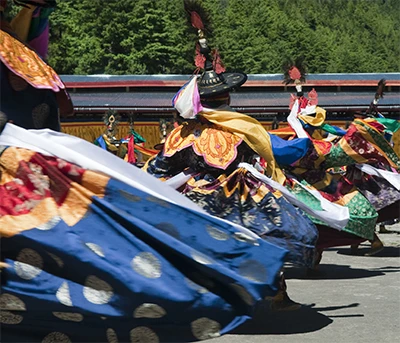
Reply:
x=147, y=265
x=205, y=328
x=11, y=302
x=29, y=264
x=148, y=310
x=143, y=334
x=97, y=291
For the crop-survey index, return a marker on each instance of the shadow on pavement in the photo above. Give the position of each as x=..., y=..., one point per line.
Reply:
x=345, y=315
x=386, y=252
x=306, y=319
x=337, y=272
x=333, y=308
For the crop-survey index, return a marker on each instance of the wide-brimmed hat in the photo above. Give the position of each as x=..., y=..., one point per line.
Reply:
x=213, y=80
x=211, y=84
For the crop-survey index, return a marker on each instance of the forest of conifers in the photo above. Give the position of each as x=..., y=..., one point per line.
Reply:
x=254, y=36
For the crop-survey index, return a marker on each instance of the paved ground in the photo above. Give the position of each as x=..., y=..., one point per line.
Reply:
x=355, y=299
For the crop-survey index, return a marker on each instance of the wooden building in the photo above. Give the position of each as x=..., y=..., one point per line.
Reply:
x=264, y=96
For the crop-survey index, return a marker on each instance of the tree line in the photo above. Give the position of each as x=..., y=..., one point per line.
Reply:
x=254, y=36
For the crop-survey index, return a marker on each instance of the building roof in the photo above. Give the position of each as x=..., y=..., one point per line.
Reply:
x=254, y=80
x=262, y=93
x=253, y=101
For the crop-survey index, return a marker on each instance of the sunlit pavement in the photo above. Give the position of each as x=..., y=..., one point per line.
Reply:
x=354, y=299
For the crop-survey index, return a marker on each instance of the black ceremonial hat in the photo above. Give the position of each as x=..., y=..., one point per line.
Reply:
x=214, y=80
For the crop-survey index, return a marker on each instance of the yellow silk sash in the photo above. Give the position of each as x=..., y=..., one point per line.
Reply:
x=317, y=120
x=252, y=132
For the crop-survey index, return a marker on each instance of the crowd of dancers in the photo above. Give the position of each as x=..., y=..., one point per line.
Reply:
x=185, y=247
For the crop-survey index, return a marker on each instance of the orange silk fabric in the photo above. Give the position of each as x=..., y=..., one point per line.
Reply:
x=25, y=63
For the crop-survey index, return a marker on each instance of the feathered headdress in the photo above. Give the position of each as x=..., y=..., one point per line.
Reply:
x=197, y=16
x=214, y=80
x=295, y=72
x=199, y=19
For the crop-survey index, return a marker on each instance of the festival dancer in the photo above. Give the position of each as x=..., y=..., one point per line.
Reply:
x=91, y=241
x=378, y=182
x=108, y=140
x=104, y=245
x=363, y=142
x=32, y=94
x=130, y=148
x=204, y=158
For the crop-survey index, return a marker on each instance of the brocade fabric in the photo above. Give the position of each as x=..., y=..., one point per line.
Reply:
x=86, y=250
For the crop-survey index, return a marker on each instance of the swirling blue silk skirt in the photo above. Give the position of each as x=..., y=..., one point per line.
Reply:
x=134, y=268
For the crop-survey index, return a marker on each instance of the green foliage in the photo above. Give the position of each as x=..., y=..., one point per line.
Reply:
x=119, y=37
x=10, y=11
x=255, y=36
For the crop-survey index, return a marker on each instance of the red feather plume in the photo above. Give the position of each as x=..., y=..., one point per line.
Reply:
x=197, y=16
x=200, y=59
x=217, y=62
x=294, y=70
x=294, y=73
x=196, y=21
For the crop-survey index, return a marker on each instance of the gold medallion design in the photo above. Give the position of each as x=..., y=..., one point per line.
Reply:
x=205, y=328
x=217, y=146
x=201, y=258
x=97, y=291
x=217, y=234
x=148, y=310
x=69, y=316
x=147, y=265
x=96, y=249
x=29, y=264
x=111, y=336
x=143, y=334
x=7, y=317
x=56, y=337
x=11, y=302
x=245, y=238
x=50, y=224
x=63, y=294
